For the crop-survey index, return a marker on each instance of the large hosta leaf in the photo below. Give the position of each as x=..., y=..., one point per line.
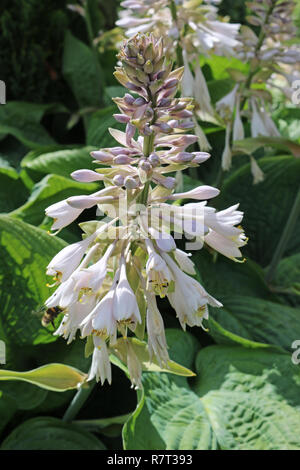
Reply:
x=7, y=409
x=50, y=434
x=259, y=320
x=287, y=279
x=83, y=73
x=60, y=162
x=240, y=278
x=266, y=205
x=242, y=399
x=13, y=192
x=99, y=124
x=25, y=253
x=22, y=121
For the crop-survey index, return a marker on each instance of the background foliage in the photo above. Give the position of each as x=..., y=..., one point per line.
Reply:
x=246, y=391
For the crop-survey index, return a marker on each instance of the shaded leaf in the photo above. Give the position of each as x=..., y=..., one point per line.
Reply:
x=61, y=162
x=50, y=434
x=266, y=206
x=25, y=253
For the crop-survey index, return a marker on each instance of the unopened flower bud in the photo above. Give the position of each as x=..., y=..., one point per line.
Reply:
x=86, y=176
x=118, y=180
x=101, y=156
x=145, y=165
x=130, y=183
x=139, y=102
x=148, y=67
x=154, y=159
x=121, y=118
x=183, y=157
x=128, y=98
x=122, y=160
x=171, y=83
x=164, y=103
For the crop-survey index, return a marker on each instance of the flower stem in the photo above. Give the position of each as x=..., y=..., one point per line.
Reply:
x=179, y=56
x=78, y=401
x=261, y=38
x=286, y=234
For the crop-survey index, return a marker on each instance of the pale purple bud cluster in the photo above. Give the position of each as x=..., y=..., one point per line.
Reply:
x=275, y=19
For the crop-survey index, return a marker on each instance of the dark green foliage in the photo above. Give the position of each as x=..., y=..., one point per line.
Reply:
x=31, y=43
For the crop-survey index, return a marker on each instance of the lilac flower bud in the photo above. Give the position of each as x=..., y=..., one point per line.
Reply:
x=122, y=160
x=164, y=102
x=200, y=157
x=147, y=131
x=130, y=131
x=183, y=157
x=133, y=87
x=139, y=102
x=168, y=92
x=186, y=125
x=101, y=156
x=154, y=159
x=129, y=99
x=166, y=181
x=121, y=118
x=145, y=165
x=173, y=123
x=120, y=150
x=163, y=127
x=130, y=183
x=171, y=83
x=86, y=176
x=118, y=180
x=184, y=114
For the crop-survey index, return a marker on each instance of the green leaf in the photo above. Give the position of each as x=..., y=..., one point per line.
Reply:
x=243, y=399
x=141, y=350
x=94, y=17
x=61, y=162
x=25, y=253
x=111, y=427
x=287, y=279
x=13, y=192
x=49, y=190
x=7, y=409
x=25, y=395
x=50, y=434
x=82, y=71
x=259, y=320
x=22, y=121
x=222, y=335
x=55, y=377
x=219, y=88
x=288, y=123
x=241, y=278
x=99, y=124
x=219, y=65
x=251, y=397
x=266, y=206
